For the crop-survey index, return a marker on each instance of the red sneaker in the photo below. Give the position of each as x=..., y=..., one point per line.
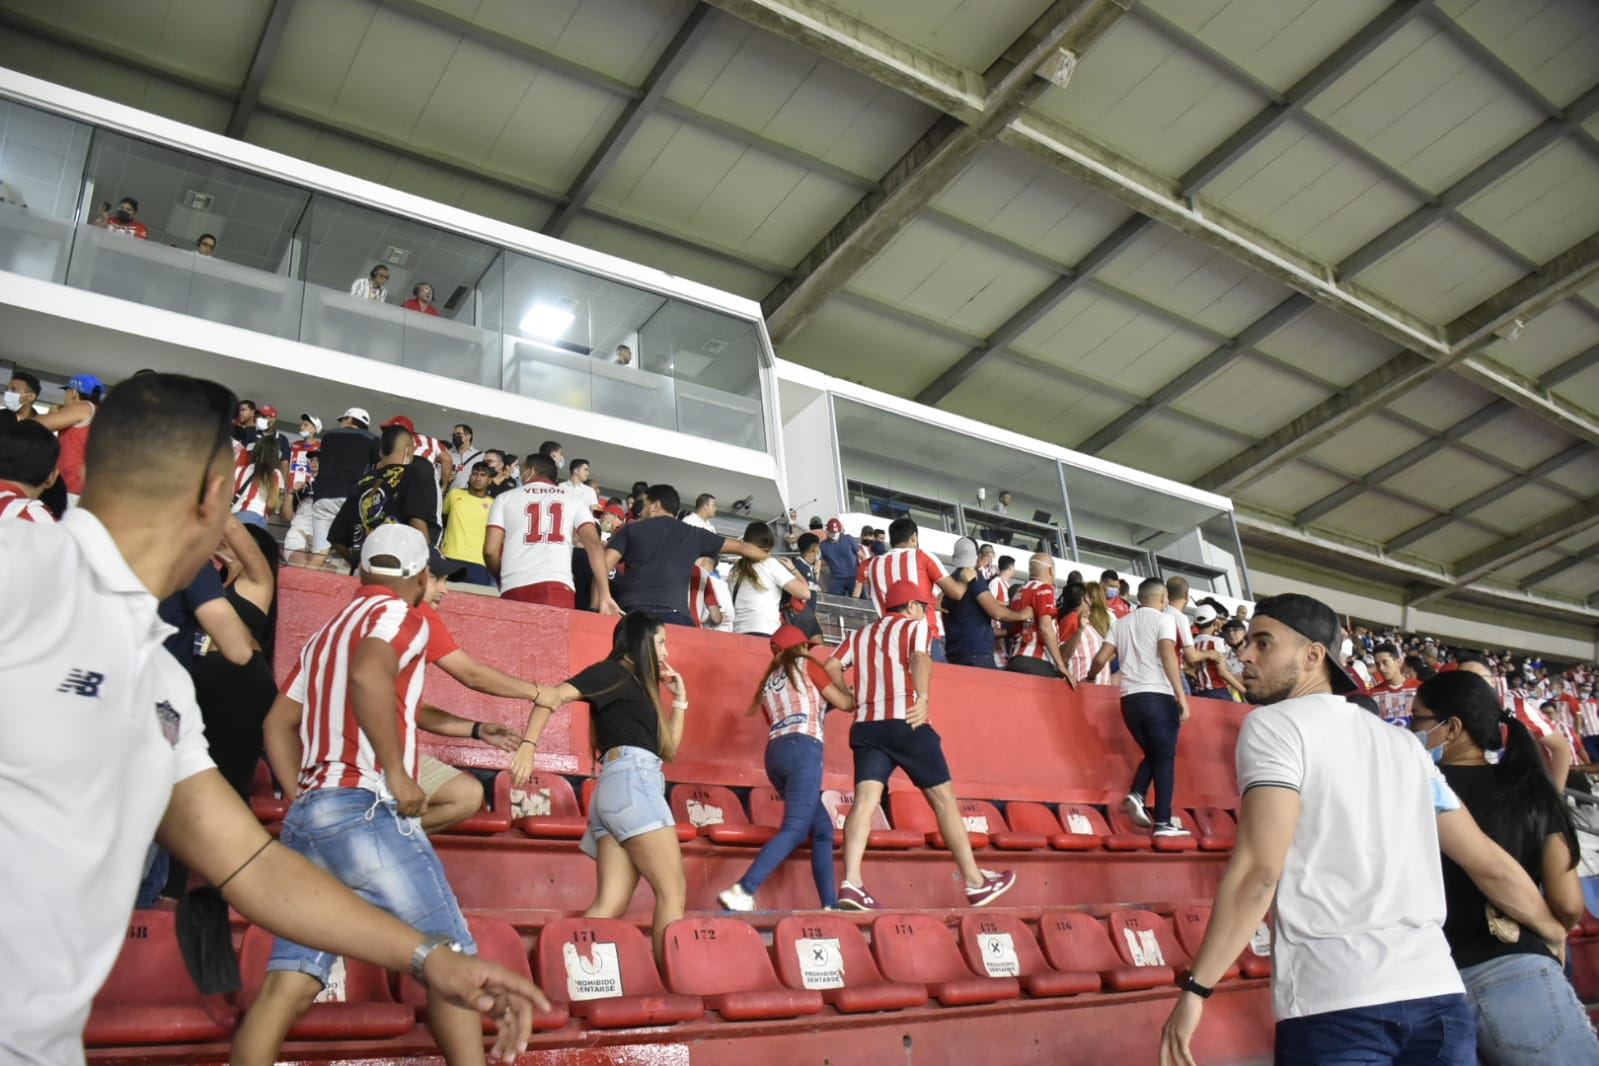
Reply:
x=854, y=898
x=994, y=886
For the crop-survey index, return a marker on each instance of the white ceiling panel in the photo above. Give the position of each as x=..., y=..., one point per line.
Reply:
x=1277, y=41
x=197, y=37
x=1440, y=274
x=1106, y=339
x=1580, y=475
x=1452, y=542
x=1027, y=401
x=671, y=257
x=851, y=342
x=1366, y=445
x=1519, y=438
x=1548, y=340
x=1444, y=479
x=1301, y=189
x=1177, y=450
x=1582, y=390
x=315, y=49
x=1290, y=488
x=1529, y=504
x=1330, y=346
x=967, y=33
x=1422, y=105
x=1178, y=273
x=1139, y=94
x=1028, y=203
x=1442, y=401
x=1544, y=206
x=619, y=38
x=1519, y=569
x=1374, y=517
x=1554, y=50
x=478, y=92
x=1252, y=397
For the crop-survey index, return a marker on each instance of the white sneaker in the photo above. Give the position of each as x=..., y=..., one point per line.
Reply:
x=736, y=899
x=1173, y=828
x=1134, y=806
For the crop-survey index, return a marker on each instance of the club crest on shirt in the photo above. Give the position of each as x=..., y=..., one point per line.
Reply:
x=169, y=718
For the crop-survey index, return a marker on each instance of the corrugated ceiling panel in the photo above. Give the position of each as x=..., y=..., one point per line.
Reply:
x=476, y=96
x=1290, y=488
x=851, y=342
x=1582, y=390
x=1324, y=343
x=1544, y=206
x=1454, y=541
x=1278, y=41
x=1553, y=48
x=968, y=33
x=1548, y=340
x=371, y=97
x=1445, y=479
x=620, y=38
x=1022, y=399
x=1178, y=450
x=1581, y=475
x=1520, y=438
x=673, y=258
x=1526, y=506
x=1441, y=274
x=1442, y=401
x=557, y=125
x=1252, y=397
x=1177, y=273
x=1104, y=338
x=1581, y=581
x=1366, y=445
x=1531, y=564
x=315, y=51
x=1374, y=517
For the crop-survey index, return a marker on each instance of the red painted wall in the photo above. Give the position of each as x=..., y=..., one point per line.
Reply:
x=1007, y=736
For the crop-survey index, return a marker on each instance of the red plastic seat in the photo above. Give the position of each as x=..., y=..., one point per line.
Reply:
x=497, y=941
x=1085, y=828
x=848, y=980
x=1144, y=938
x=603, y=971
x=149, y=997
x=1001, y=946
x=766, y=807
x=909, y=809
x=1075, y=941
x=838, y=806
x=1215, y=828
x=1126, y=836
x=1190, y=921
x=918, y=949
x=265, y=803
x=1002, y=832
x=716, y=813
x=364, y=1007
x=724, y=961
x=1588, y=924
x=495, y=814
x=565, y=821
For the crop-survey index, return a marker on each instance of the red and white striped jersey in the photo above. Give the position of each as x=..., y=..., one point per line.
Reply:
x=1209, y=676
x=1588, y=717
x=701, y=596
x=915, y=566
x=881, y=654
x=999, y=590
x=1082, y=657
x=430, y=448
x=540, y=520
x=1502, y=690
x=1525, y=706
x=14, y=503
x=1394, y=700
x=793, y=707
x=250, y=495
x=1029, y=643
x=336, y=753
x=1579, y=754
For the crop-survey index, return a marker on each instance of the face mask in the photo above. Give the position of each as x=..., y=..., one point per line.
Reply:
x=1436, y=753
x=123, y=217
x=457, y=440
x=13, y=400
x=1111, y=594
x=305, y=434
x=262, y=424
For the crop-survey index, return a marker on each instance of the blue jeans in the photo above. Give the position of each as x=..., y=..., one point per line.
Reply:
x=935, y=650
x=1152, y=719
x=1435, y=1030
x=794, y=766
x=1528, y=1012
x=474, y=573
x=386, y=859
x=1223, y=693
x=984, y=659
x=156, y=866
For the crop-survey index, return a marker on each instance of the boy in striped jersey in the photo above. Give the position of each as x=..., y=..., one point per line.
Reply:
x=28, y=454
x=891, y=730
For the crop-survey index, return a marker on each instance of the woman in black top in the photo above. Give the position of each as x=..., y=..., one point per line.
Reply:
x=1526, y=1009
x=631, y=830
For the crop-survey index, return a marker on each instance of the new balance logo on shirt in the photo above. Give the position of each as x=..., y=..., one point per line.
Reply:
x=83, y=683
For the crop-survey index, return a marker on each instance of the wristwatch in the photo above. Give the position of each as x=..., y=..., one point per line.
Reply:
x=424, y=949
x=1186, y=983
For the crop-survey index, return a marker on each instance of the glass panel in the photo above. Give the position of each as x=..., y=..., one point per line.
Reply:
x=716, y=362
x=1121, y=524
x=41, y=172
x=1013, y=532
x=202, y=239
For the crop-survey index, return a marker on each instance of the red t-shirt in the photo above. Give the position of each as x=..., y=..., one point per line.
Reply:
x=1040, y=596
x=414, y=305
x=1119, y=607
x=440, y=641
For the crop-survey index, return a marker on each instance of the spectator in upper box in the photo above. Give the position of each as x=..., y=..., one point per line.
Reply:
x=624, y=357
x=122, y=221
x=1005, y=500
x=206, y=245
x=969, y=620
x=1115, y=597
x=841, y=553
x=466, y=523
x=395, y=491
x=28, y=454
x=528, y=544
x=347, y=451
x=421, y=299
x=70, y=423
x=659, y=550
x=579, y=474
x=1395, y=691
x=704, y=511
x=788, y=529
x=372, y=287
x=759, y=588
x=1154, y=704
x=906, y=561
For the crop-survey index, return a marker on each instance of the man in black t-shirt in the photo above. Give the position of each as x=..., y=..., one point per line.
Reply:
x=397, y=490
x=345, y=453
x=660, y=553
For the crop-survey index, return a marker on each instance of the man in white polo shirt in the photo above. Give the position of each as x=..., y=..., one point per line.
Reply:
x=82, y=658
x=1340, y=826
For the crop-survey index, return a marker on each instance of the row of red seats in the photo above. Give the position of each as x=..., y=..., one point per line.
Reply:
x=603, y=972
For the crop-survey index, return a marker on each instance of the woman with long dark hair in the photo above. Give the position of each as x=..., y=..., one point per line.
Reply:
x=795, y=692
x=258, y=489
x=631, y=830
x=1526, y=1009
x=758, y=587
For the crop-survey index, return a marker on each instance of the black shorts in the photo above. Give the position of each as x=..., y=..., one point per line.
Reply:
x=1027, y=664
x=879, y=747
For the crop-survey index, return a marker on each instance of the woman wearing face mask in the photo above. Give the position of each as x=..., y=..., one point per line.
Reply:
x=1526, y=1009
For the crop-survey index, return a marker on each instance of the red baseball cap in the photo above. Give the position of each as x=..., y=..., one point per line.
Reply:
x=901, y=593
x=613, y=509
x=835, y=526
x=268, y=410
x=788, y=637
x=400, y=420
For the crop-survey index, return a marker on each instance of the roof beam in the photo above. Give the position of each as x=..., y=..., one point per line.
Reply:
x=1570, y=368
x=266, y=50
x=1035, y=309
x=1519, y=480
x=633, y=114
x=1544, y=573
x=937, y=158
x=1329, y=70
x=1535, y=538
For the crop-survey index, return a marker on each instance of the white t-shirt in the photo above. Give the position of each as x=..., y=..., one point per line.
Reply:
x=755, y=610
x=1136, y=637
x=83, y=665
x=693, y=519
x=540, y=522
x=1360, y=905
x=584, y=493
x=1185, y=632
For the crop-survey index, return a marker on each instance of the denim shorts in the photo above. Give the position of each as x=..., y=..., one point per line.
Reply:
x=386, y=859
x=629, y=800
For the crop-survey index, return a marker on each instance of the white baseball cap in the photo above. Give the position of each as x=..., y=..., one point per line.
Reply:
x=358, y=414
x=965, y=553
x=403, y=542
x=1206, y=614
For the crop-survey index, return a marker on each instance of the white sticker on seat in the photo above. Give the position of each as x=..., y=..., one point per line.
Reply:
x=999, y=954
x=976, y=823
x=595, y=976
x=821, y=963
x=534, y=804
x=1079, y=824
x=703, y=814
x=1143, y=947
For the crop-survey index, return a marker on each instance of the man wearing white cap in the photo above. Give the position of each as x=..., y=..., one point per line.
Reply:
x=335, y=733
x=1216, y=680
x=347, y=451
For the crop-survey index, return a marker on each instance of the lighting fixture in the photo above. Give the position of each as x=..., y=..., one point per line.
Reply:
x=548, y=321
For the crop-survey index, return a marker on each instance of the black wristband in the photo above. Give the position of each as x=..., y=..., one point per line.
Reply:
x=1187, y=984
x=477, y=730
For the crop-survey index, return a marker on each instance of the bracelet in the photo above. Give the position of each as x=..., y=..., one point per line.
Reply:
x=477, y=730
x=680, y=705
x=532, y=742
x=246, y=862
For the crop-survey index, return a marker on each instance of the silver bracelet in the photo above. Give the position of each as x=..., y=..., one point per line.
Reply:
x=426, y=948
